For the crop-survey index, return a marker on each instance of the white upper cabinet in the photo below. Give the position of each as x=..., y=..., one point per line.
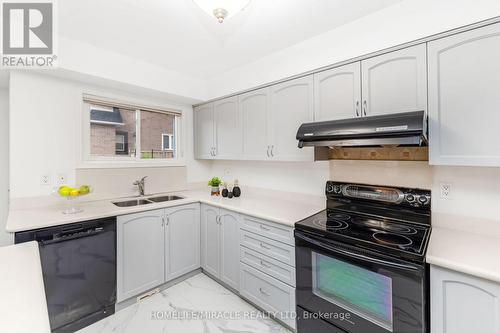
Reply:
x=291, y=105
x=337, y=93
x=204, y=131
x=395, y=82
x=461, y=303
x=464, y=98
x=255, y=116
x=228, y=136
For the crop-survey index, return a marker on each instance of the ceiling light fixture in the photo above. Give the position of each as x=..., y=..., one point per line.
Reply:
x=222, y=9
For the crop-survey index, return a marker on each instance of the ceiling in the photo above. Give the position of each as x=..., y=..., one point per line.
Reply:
x=177, y=35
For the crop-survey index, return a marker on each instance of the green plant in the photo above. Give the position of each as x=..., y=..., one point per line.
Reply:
x=214, y=181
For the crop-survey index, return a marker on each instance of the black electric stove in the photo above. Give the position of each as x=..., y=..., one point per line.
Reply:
x=364, y=257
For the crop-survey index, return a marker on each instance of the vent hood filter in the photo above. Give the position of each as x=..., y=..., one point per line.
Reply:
x=401, y=129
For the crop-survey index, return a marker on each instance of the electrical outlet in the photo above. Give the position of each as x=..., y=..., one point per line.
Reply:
x=45, y=180
x=61, y=179
x=445, y=189
x=227, y=172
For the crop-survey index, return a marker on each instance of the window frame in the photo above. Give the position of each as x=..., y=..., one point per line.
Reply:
x=88, y=161
x=170, y=140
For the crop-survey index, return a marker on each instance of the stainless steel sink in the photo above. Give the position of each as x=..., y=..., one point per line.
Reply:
x=131, y=203
x=165, y=198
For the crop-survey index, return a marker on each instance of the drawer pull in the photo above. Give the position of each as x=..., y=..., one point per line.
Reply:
x=264, y=264
x=263, y=227
x=263, y=292
x=265, y=246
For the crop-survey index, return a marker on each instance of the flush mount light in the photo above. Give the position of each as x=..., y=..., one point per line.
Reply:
x=222, y=9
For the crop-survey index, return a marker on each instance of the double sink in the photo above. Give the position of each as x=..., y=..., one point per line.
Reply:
x=146, y=201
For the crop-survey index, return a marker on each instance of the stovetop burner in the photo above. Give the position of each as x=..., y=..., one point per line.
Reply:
x=338, y=216
x=392, y=239
x=330, y=224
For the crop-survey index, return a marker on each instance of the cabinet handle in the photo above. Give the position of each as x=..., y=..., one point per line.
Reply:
x=263, y=292
x=272, y=148
x=268, y=151
x=263, y=227
x=215, y=151
x=218, y=219
x=264, y=264
x=357, y=108
x=168, y=220
x=163, y=221
x=265, y=246
x=364, y=107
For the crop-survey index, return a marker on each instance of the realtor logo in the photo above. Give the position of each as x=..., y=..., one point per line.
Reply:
x=28, y=34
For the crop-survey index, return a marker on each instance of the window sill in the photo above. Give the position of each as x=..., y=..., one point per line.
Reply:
x=130, y=164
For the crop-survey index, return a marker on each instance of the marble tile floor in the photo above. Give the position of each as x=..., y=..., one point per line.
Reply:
x=196, y=305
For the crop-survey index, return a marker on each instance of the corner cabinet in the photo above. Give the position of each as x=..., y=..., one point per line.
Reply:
x=461, y=303
x=464, y=98
x=220, y=244
x=291, y=105
x=395, y=82
x=204, y=131
x=155, y=247
x=337, y=93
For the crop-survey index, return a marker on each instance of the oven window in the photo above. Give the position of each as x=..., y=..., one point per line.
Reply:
x=363, y=292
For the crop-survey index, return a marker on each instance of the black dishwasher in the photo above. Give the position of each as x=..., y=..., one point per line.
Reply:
x=79, y=271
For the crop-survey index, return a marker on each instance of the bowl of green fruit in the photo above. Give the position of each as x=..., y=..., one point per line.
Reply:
x=71, y=194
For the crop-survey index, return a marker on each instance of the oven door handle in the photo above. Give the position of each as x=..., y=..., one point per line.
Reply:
x=354, y=254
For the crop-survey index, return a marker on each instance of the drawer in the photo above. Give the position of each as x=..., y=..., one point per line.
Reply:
x=268, y=265
x=277, y=250
x=268, y=229
x=268, y=293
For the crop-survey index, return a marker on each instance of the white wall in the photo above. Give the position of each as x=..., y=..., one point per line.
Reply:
x=403, y=22
x=5, y=238
x=475, y=190
x=44, y=113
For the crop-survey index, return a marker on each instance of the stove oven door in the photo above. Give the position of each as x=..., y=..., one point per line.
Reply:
x=358, y=291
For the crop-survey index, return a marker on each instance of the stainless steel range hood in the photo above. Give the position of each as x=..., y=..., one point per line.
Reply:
x=401, y=129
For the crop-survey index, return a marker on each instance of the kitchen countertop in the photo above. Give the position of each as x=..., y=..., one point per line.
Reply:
x=463, y=250
x=280, y=207
x=23, y=306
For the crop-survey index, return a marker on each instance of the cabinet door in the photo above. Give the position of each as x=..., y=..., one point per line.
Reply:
x=395, y=82
x=228, y=136
x=204, y=131
x=210, y=240
x=230, y=248
x=291, y=105
x=462, y=304
x=464, y=98
x=182, y=240
x=254, y=111
x=337, y=93
x=140, y=253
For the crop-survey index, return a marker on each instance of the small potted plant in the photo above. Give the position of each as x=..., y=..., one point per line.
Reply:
x=214, y=184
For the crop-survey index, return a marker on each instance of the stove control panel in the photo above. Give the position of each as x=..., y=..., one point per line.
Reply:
x=390, y=195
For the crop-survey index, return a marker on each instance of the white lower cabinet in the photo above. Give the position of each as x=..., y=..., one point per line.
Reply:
x=462, y=303
x=156, y=246
x=140, y=253
x=267, y=269
x=220, y=244
x=182, y=240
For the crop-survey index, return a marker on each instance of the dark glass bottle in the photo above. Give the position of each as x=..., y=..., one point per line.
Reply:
x=236, y=189
x=224, y=191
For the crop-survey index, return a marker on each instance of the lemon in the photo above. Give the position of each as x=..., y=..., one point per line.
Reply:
x=64, y=191
x=74, y=192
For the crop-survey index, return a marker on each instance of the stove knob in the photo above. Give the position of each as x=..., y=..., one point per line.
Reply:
x=410, y=198
x=337, y=189
x=329, y=189
x=422, y=199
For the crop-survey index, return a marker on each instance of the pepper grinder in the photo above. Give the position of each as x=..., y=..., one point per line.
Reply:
x=236, y=189
x=230, y=192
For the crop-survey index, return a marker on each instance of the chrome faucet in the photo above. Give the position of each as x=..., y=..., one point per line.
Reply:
x=141, y=184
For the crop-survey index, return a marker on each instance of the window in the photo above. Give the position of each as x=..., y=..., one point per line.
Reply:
x=121, y=132
x=167, y=141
